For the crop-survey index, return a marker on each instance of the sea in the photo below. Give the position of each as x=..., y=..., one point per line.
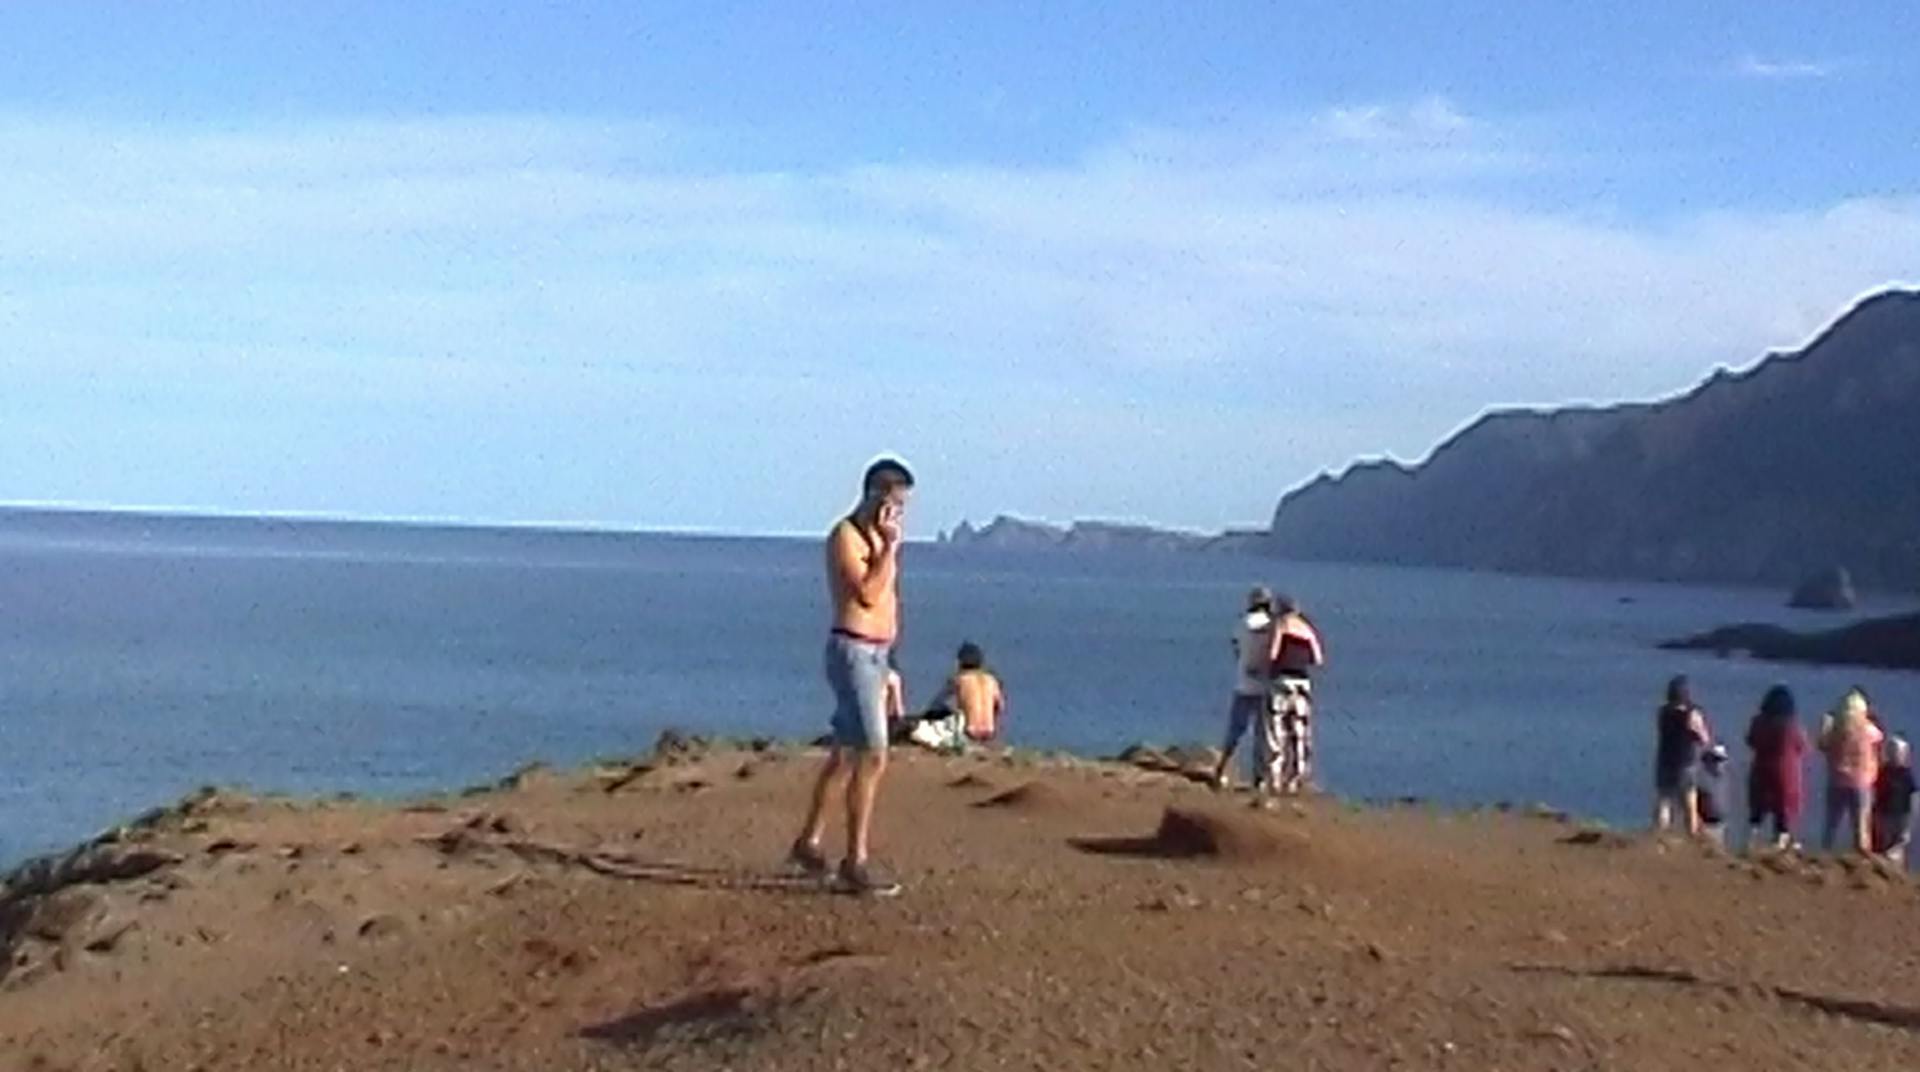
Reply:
x=142, y=656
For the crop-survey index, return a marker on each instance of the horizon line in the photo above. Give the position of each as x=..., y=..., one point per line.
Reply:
x=445, y=521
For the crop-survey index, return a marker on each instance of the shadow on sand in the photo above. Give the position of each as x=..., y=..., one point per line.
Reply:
x=1864, y=1011
x=1203, y=833
x=724, y=1012
x=664, y=872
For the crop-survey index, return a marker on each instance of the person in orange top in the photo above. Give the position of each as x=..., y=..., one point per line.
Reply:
x=1851, y=742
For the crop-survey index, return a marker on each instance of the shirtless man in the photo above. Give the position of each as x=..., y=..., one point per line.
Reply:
x=863, y=569
x=973, y=693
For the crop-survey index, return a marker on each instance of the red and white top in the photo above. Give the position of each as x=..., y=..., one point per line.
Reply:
x=1296, y=648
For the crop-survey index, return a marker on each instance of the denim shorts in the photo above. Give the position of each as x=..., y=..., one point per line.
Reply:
x=1241, y=715
x=857, y=673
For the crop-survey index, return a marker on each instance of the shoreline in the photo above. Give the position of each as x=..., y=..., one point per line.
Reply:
x=1188, y=761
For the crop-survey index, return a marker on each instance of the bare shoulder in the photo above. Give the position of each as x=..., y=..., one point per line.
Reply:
x=846, y=540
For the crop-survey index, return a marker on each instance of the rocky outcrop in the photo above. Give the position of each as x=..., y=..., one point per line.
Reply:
x=1008, y=533
x=56, y=905
x=1019, y=534
x=1828, y=590
x=1888, y=643
x=1761, y=476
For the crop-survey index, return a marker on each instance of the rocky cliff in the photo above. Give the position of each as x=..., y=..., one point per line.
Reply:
x=1887, y=643
x=1801, y=462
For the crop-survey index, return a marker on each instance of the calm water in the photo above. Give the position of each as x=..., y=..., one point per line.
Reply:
x=141, y=657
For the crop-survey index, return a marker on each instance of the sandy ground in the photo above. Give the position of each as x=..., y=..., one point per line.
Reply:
x=634, y=916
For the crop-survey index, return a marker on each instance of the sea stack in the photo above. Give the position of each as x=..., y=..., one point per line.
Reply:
x=1830, y=589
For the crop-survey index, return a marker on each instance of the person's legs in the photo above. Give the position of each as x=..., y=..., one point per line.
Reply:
x=857, y=674
x=863, y=735
x=1239, y=716
x=1290, y=761
x=1836, y=803
x=827, y=787
x=1300, y=737
x=836, y=660
x=1289, y=753
x=1270, y=748
x=862, y=788
x=1860, y=801
x=1662, y=808
x=1755, y=817
x=1690, y=801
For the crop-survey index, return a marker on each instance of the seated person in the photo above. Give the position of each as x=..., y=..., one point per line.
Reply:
x=968, y=708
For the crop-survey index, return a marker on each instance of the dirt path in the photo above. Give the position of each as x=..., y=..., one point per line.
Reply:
x=632, y=918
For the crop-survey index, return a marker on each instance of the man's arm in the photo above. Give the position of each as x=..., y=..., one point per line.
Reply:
x=896, y=695
x=868, y=579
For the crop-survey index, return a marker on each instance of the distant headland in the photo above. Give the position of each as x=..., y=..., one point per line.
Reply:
x=1799, y=466
x=1020, y=534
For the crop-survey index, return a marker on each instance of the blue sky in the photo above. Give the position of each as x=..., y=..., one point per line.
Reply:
x=691, y=266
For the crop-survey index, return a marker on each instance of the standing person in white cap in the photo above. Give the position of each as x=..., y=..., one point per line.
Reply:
x=1252, y=682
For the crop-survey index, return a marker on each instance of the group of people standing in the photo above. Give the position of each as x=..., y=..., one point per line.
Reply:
x=1869, y=773
x=1870, y=778
x=1276, y=651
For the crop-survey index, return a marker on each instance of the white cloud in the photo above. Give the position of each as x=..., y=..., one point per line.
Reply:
x=1752, y=66
x=1167, y=289
x=1428, y=119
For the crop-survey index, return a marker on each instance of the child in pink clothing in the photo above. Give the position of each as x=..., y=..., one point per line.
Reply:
x=1852, y=743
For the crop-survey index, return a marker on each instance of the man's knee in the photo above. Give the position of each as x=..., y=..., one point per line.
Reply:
x=867, y=762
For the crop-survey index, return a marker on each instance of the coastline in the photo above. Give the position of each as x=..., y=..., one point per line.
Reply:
x=1059, y=910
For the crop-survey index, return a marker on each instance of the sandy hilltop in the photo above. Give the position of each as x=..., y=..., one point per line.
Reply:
x=1060, y=914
